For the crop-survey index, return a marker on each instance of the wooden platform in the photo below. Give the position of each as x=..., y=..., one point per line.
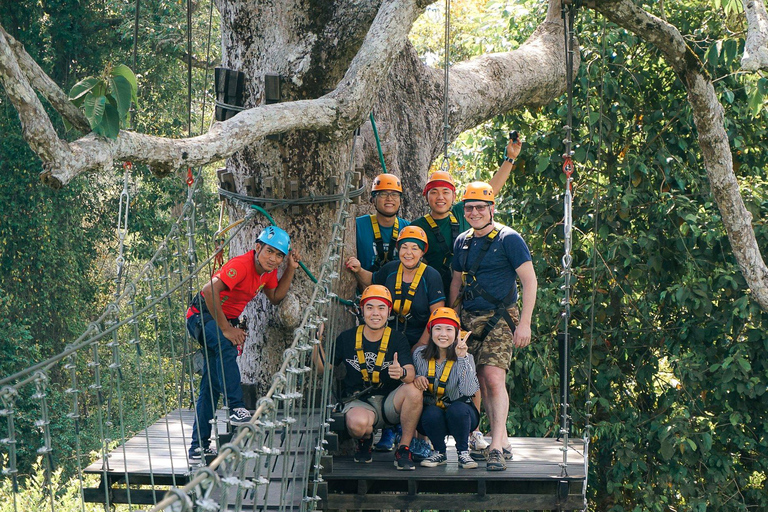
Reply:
x=144, y=468
x=533, y=480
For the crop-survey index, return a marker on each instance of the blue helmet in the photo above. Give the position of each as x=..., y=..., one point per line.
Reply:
x=277, y=238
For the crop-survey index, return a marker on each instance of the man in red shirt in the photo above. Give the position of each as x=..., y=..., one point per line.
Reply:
x=212, y=319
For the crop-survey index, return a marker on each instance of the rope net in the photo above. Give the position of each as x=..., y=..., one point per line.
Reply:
x=111, y=415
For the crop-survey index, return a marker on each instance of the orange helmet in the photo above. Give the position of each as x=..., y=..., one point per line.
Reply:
x=413, y=233
x=443, y=316
x=376, y=291
x=479, y=191
x=439, y=179
x=386, y=182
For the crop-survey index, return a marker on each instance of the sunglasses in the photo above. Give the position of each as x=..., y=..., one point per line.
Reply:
x=481, y=208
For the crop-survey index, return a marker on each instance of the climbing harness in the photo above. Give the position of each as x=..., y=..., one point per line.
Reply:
x=403, y=301
x=383, y=256
x=375, y=378
x=444, y=246
x=471, y=288
x=439, y=382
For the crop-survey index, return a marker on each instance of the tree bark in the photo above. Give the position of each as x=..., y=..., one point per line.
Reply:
x=756, y=47
x=708, y=115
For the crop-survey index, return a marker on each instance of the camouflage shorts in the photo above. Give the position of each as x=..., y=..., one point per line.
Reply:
x=496, y=349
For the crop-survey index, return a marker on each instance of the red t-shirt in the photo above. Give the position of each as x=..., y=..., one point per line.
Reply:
x=243, y=283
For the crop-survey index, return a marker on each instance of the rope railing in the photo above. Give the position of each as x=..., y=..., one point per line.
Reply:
x=133, y=366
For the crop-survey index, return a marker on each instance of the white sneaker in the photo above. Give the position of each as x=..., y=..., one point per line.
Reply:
x=437, y=459
x=239, y=416
x=477, y=442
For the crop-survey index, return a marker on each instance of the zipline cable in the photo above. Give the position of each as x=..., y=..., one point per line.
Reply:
x=568, y=15
x=446, y=127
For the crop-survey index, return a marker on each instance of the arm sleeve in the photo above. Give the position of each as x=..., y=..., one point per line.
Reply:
x=232, y=273
x=435, y=292
x=338, y=356
x=468, y=383
x=402, y=347
x=457, y=245
x=418, y=361
x=516, y=249
x=271, y=280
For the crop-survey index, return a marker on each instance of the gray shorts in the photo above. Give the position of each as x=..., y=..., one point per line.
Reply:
x=382, y=406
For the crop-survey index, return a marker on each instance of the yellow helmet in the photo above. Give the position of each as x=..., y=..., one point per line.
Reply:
x=479, y=191
x=386, y=182
x=439, y=179
x=376, y=291
x=413, y=233
x=443, y=316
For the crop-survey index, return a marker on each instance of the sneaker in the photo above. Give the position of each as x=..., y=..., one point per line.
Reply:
x=507, y=452
x=477, y=441
x=387, y=441
x=437, y=459
x=465, y=461
x=239, y=416
x=420, y=449
x=481, y=455
x=197, y=454
x=496, y=461
x=363, y=452
x=403, y=459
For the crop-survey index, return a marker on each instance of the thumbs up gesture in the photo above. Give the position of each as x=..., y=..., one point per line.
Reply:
x=395, y=370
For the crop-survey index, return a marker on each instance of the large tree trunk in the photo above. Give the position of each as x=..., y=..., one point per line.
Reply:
x=311, y=47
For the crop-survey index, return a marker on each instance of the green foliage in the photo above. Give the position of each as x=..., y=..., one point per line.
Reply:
x=106, y=100
x=672, y=361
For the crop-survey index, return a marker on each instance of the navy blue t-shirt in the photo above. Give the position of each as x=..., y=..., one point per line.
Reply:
x=496, y=274
x=366, y=245
x=428, y=292
x=353, y=379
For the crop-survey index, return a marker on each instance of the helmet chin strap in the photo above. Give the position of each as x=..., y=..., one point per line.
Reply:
x=413, y=267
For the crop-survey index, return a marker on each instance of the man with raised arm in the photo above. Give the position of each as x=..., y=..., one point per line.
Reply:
x=488, y=259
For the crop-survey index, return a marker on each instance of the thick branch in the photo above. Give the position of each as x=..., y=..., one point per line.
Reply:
x=338, y=113
x=36, y=126
x=756, y=47
x=530, y=76
x=47, y=87
x=708, y=116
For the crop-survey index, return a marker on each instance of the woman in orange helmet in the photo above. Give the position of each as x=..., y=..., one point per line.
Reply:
x=416, y=288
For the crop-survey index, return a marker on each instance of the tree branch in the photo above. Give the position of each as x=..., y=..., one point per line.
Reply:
x=756, y=47
x=708, y=115
x=47, y=87
x=337, y=113
x=496, y=83
x=35, y=124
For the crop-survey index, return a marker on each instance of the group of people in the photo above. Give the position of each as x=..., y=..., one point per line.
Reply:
x=409, y=364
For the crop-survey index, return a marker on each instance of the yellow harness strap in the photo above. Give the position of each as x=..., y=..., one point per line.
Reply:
x=403, y=306
x=379, y=357
x=441, y=381
x=388, y=256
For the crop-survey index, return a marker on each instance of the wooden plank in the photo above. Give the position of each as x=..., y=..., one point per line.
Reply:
x=449, y=502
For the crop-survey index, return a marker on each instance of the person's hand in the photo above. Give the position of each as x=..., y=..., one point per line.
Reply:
x=235, y=335
x=522, y=337
x=513, y=148
x=353, y=264
x=421, y=383
x=294, y=258
x=461, y=346
x=395, y=370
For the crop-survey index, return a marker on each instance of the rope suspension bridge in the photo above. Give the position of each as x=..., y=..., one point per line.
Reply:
x=115, y=411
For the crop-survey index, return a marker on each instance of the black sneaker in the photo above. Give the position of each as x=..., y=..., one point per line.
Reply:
x=197, y=454
x=436, y=459
x=496, y=461
x=466, y=461
x=239, y=416
x=363, y=452
x=507, y=452
x=403, y=459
